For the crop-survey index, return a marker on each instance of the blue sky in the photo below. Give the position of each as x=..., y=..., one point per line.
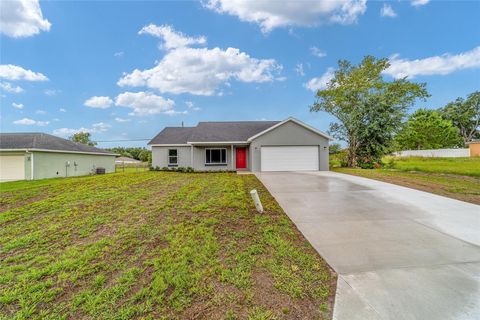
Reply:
x=69, y=66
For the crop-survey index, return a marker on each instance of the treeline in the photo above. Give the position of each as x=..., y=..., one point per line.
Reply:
x=373, y=114
x=138, y=153
x=451, y=126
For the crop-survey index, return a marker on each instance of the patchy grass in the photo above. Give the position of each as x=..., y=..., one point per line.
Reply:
x=458, y=166
x=465, y=188
x=154, y=245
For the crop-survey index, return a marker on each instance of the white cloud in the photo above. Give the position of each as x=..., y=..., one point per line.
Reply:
x=299, y=69
x=321, y=82
x=31, y=122
x=274, y=14
x=318, y=52
x=191, y=106
x=40, y=112
x=99, y=102
x=96, y=128
x=201, y=71
x=22, y=18
x=144, y=103
x=51, y=92
x=417, y=3
x=122, y=120
x=171, y=39
x=17, y=105
x=436, y=65
x=7, y=86
x=119, y=54
x=62, y=110
x=12, y=72
x=387, y=11
x=173, y=112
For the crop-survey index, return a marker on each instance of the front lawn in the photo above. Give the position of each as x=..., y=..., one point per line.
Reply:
x=154, y=245
x=458, y=166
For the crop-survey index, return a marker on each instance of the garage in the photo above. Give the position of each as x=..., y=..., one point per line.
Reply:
x=289, y=158
x=12, y=167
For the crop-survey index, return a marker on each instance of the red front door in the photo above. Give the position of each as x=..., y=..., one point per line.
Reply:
x=241, y=158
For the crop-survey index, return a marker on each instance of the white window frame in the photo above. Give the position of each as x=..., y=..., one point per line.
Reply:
x=216, y=163
x=169, y=156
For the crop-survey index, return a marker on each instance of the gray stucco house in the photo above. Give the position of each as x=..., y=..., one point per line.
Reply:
x=30, y=156
x=288, y=145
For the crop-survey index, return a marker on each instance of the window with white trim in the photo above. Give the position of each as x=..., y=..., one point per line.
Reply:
x=216, y=156
x=172, y=157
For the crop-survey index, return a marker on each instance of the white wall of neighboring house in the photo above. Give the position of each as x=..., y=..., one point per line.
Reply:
x=435, y=153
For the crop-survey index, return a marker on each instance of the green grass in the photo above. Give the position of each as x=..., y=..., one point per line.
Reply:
x=459, y=166
x=154, y=245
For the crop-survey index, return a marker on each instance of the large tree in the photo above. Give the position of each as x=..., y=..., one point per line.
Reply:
x=369, y=108
x=426, y=129
x=83, y=137
x=465, y=115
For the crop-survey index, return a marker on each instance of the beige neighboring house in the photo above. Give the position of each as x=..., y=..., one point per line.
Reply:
x=474, y=147
x=126, y=160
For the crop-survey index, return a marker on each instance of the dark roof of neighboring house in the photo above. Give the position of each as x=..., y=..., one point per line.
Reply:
x=43, y=141
x=212, y=132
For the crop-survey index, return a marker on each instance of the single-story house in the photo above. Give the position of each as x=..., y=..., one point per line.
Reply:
x=126, y=160
x=31, y=156
x=288, y=145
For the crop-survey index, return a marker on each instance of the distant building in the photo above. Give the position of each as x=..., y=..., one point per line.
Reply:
x=126, y=160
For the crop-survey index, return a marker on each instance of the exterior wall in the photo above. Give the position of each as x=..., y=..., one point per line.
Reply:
x=52, y=164
x=160, y=156
x=287, y=134
x=199, y=159
x=474, y=149
x=435, y=153
x=26, y=160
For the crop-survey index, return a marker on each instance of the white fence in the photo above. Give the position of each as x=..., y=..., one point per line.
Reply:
x=435, y=153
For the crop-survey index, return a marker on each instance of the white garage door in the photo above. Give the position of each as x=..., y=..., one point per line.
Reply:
x=12, y=168
x=291, y=158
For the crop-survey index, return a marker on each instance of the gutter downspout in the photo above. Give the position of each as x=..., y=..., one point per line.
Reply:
x=31, y=163
x=232, y=158
x=191, y=157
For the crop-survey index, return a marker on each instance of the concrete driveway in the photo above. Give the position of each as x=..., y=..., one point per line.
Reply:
x=400, y=253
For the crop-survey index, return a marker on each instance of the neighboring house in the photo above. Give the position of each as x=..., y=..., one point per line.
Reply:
x=288, y=145
x=474, y=148
x=126, y=160
x=31, y=156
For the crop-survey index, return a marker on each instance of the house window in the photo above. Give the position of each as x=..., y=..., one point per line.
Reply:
x=216, y=156
x=172, y=157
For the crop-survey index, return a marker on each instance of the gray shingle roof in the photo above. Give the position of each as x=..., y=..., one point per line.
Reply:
x=212, y=132
x=37, y=140
x=173, y=135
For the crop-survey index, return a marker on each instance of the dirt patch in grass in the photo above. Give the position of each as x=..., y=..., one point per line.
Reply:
x=464, y=188
x=156, y=245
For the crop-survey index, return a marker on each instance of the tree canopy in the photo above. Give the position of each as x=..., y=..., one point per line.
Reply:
x=465, y=115
x=83, y=137
x=427, y=129
x=369, y=109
